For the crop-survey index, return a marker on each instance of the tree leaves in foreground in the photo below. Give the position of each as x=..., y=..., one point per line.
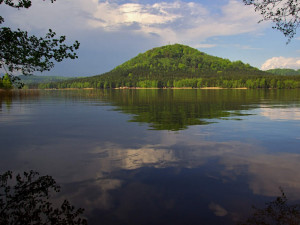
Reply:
x=25, y=199
x=277, y=212
x=20, y=51
x=284, y=13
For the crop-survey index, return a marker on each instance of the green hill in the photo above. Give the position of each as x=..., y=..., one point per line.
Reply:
x=173, y=66
x=178, y=61
x=174, y=62
x=284, y=72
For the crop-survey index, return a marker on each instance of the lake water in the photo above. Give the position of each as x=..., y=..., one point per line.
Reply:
x=157, y=156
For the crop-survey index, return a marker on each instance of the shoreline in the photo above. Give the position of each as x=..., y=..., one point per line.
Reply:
x=212, y=88
x=141, y=88
x=209, y=88
x=124, y=88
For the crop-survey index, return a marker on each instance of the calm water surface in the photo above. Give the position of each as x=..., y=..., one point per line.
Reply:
x=157, y=156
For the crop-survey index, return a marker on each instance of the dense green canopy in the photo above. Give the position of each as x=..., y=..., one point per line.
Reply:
x=177, y=61
x=181, y=66
x=168, y=66
x=284, y=72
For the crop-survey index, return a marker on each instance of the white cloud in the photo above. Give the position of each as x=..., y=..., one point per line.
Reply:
x=113, y=16
x=177, y=21
x=281, y=62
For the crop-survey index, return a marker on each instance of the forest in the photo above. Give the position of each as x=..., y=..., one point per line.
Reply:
x=285, y=72
x=180, y=66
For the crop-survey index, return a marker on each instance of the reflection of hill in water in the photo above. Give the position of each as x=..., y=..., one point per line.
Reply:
x=166, y=173
x=178, y=109
x=169, y=109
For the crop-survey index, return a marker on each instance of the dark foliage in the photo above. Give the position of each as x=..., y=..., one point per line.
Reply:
x=277, y=212
x=284, y=72
x=20, y=51
x=25, y=199
x=284, y=13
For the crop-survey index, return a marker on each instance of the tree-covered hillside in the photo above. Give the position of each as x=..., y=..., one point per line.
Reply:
x=284, y=72
x=178, y=61
x=176, y=66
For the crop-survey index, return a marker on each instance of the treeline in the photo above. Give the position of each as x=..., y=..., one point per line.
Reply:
x=279, y=82
x=284, y=72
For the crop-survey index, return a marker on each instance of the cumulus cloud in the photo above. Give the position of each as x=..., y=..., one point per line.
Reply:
x=176, y=21
x=111, y=32
x=281, y=62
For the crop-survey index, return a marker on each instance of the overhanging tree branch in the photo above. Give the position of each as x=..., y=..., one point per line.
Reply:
x=284, y=13
x=20, y=4
x=20, y=51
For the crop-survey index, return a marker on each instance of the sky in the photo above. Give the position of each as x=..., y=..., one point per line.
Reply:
x=113, y=31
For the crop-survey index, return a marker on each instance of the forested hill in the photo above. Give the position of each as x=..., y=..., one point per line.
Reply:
x=173, y=66
x=284, y=72
x=176, y=62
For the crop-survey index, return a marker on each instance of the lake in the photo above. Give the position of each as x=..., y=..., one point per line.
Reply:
x=157, y=156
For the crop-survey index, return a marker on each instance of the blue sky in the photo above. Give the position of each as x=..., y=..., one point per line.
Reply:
x=112, y=32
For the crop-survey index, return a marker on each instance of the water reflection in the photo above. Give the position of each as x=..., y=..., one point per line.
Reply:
x=290, y=113
x=16, y=113
x=209, y=155
x=178, y=109
x=267, y=171
x=209, y=178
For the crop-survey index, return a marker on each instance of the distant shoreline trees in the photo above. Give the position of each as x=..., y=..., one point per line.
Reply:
x=266, y=82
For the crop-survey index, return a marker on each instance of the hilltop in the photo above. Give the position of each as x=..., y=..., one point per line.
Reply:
x=172, y=66
x=178, y=61
x=174, y=62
